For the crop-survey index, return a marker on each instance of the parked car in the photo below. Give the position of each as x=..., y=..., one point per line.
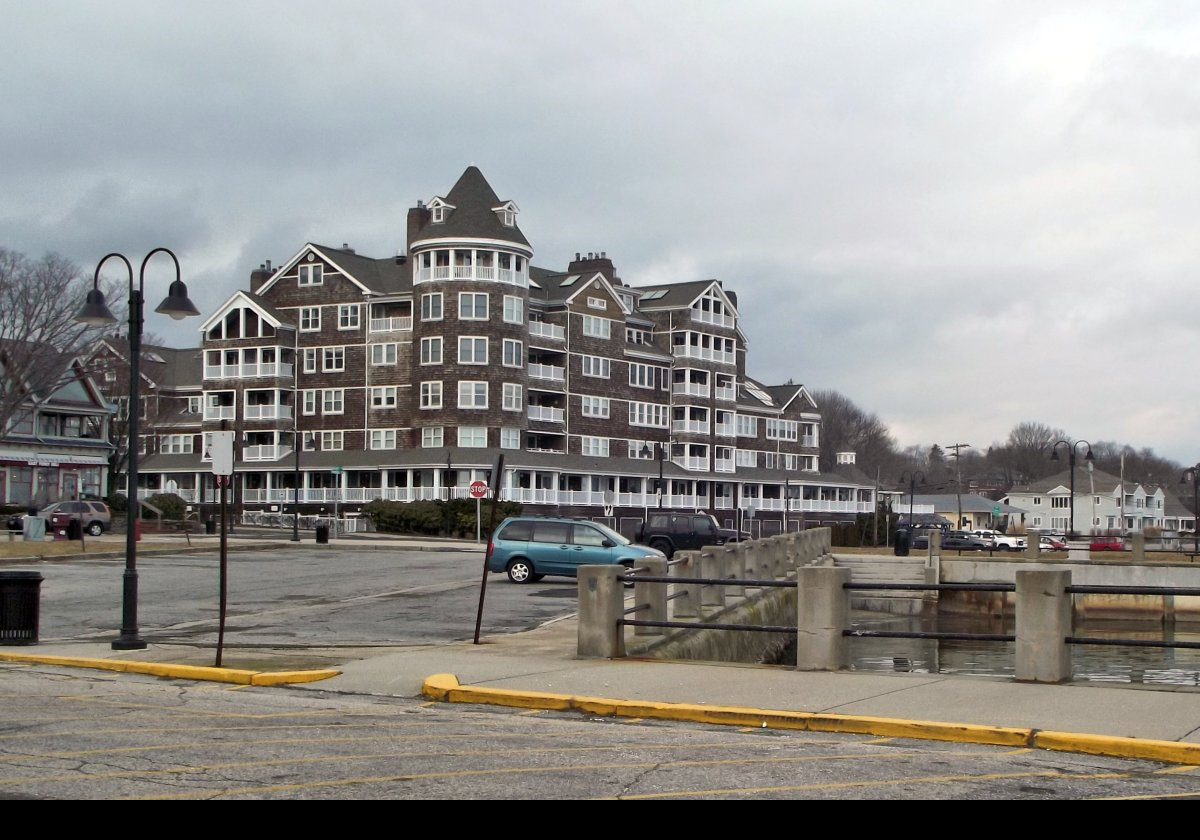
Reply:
x=95, y=517
x=1051, y=544
x=528, y=548
x=671, y=531
x=997, y=539
x=964, y=541
x=1100, y=543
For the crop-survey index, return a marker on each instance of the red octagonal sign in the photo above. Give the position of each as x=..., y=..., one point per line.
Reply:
x=478, y=489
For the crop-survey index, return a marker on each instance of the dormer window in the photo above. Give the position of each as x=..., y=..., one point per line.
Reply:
x=509, y=218
x=439, y=215
x=439, y=210
x=507, y=212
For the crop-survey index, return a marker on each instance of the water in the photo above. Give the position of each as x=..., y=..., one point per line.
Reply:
x=1098, y=663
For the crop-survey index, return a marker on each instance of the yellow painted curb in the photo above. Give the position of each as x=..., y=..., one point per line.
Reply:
x=184, y=672
x=447, y=688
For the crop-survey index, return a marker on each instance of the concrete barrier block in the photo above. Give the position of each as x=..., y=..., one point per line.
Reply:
x=822, y=613
x=601, y=602
x=686, y=603
x=653, y=596
x=712, y=565
x=1043, y=623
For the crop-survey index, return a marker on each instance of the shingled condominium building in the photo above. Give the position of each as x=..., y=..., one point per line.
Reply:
x=403, y=378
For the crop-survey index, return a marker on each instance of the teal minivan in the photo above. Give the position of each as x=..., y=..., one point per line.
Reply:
x=528, y=548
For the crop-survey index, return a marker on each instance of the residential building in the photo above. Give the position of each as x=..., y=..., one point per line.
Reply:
x=1103, y=503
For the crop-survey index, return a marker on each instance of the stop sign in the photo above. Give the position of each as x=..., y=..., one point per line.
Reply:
x=478, y=489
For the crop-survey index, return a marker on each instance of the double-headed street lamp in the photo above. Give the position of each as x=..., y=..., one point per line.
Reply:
x=1071, y=452
x=661, y=457
x=912, y=486
x=95, y=312
x=1192, y=474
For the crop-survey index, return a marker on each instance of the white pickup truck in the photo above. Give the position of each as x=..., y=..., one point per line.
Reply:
x=1005, y=542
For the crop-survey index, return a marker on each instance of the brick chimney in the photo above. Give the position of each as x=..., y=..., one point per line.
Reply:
x=592, y=262
x=260, y=275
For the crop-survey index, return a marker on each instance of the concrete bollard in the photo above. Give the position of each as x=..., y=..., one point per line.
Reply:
x=779, y=556
x=1137, y=544
x=822, y=613
x=712, y=565
x=1033, y=546
x=763, y=569
x=734, y=569
x=791, y=553
x=1043, y=623
x=652, y=595
x=601, y=604
x=686, y=604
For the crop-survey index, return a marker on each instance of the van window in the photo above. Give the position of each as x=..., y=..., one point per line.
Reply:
x=517, y=531
x=587, y=535
x=552, y=532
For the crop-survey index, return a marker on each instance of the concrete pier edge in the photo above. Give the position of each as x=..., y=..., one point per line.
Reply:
x=184, y=672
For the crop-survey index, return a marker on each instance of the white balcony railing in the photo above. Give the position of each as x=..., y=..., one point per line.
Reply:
x=391, y=324
x=717, y=319
x=219, y=412
x=729, y=394
x=551, y=372
x=541, y=329
x=188, y=494
x=473, y=272
x=546, y=413
x=690, y=389
x=268, y=412
x=264, y=452
x=248, y=371
x=688, y=351
x=695, y=463
x=726, y=430
x=697, y=427
x=808, y=440
x=723, y=465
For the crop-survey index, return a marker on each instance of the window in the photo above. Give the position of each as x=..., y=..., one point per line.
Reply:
x=513, y=401
x=176, y=444
x=783, y=430
x=310, y=318
x=431, y=350
x=193, y=405
x=431, y=394
x=596, y=366
x=431, y=437
x=383, y=397
x=636, y=336
x=333, y=359
x=596, y=447
x=333, y=401
x=310, y=402
x=310, y=360
x=514, y=310
x=1060, y=502
x=472, y=350
x=597, y=303
x=383, y=354
x=311, y=275
x=595, y=406
x=747, y=426
x=647, y=414
x=510, y=438
x=383, y=438
x=348, y=316
x=431, y=306
x=745, y=458
x=330, y=442
x=472, y=394
x=641, y=376
x=1037, y=500
x=514, y=353
x=472, y=306
x=597, y=327
x=472, y=436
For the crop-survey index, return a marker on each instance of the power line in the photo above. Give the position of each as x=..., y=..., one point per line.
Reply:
x=958, y=473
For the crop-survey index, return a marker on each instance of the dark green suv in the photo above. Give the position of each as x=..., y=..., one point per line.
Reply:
x=671, y=531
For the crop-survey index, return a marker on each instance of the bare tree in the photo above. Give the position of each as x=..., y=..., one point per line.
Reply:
x=846, y=427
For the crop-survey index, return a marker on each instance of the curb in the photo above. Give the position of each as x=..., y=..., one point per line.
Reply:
x=446, y=687
x=184, y=672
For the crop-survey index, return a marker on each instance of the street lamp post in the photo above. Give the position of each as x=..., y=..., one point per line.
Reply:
x=912, y=486
x=1071, y=453
x=1192, y=474
x=298, y=442
x=95, y=312
x=661, y=456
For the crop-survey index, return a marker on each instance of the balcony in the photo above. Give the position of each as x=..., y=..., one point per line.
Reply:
x=268, y=412
x=690, y=389
x=723, y=465
x=552, y=373
x=473, y=272
x=727, y=394
x=707, y=354
x=808, y=440
x=398, y=324
x=695, y=427
x=220, y=412
x=726, y=430
x=264, y=452
x=546, y=414
x=248, y=371
x=695, y=463
x=540, y=329
x=699, y=316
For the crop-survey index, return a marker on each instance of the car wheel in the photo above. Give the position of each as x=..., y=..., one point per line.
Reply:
x=95, y=529
x=663, y=546
x=520, y=571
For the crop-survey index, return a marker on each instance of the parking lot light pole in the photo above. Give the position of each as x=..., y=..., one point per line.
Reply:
x=661, y=456
x=912, y=486
x=95, y=312
x=1071, y=452
x=1192, y=474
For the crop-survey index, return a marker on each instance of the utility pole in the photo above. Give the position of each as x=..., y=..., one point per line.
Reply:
x=958, y=477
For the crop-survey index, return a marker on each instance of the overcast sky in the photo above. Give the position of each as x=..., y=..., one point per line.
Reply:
x=962, y=216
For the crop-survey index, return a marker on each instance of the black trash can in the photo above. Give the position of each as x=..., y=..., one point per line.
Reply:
x=74, y=529
x=210, y=525
x=20, y=605
x=322, y=533
x=903, y=542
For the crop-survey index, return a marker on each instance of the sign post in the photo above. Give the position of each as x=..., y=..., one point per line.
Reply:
x=497, y=480
x=478, y=491
x=220, y=451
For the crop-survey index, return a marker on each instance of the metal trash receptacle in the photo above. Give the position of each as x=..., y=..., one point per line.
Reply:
x=322, y=533
x=74, y=529
x=20, y=607
x=903, y=542
x=210, y=525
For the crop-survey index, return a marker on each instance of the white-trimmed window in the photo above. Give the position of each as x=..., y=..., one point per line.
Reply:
x=595, y=406
x=514, y=310
x=472, y=350
x=510, y=438
x=472, y=394
x=308, y=442
x=311, y=275
x=383, y=396
x=596, y=447
x=383, y=354
x=431, y=394
x=597, y=303
x=598, y=366
x=512, y=397
x=747, y=425
x=648, y=414
x=309, y=404
x=333, y=401
x=597, y=327
x=331, y=441
x=194, y=404
x=175, y=444
x=783, y=430
x=333, y=359
x=431, y=437
x=310, y=318
x=514, y=353
x=348, y=316
x=431, y=306
x=383, y=438
x=431, y=350
x=473, y=437
x=472, y=306
x=643, y=450
x=641, y=376
x=310, y=359
x=745, y=458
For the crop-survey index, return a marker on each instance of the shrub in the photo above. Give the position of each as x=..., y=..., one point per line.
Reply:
x=453, y=518
x=118, y=503
x=172, y=506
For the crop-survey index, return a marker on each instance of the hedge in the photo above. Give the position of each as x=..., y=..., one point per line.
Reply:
x=455, y=518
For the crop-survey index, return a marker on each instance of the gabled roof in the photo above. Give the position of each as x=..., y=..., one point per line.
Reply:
x=675, y=295
x=165, y=367
x=240, y=298
x=474, y=215
x=785, y=395
x=971, y=503
x=370, y=275
x=1084, y=481
x=754, y=395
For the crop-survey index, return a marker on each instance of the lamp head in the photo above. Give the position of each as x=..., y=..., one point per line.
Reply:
x=176, y=303
x=95, y=312
x=646, y=453
x=1089, y=456
x=1054, y=454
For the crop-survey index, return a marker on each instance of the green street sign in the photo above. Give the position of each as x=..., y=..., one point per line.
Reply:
x=336, y=470
x=995, y=510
